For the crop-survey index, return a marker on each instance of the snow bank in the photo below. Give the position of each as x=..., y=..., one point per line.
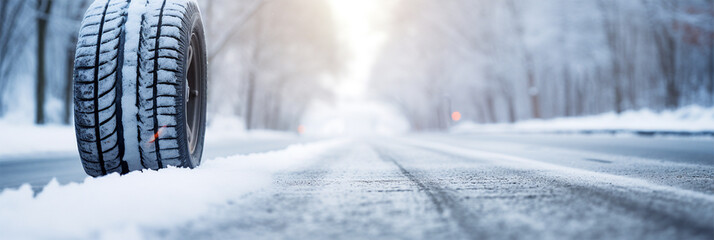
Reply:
x=120, y=206
x=692, y=119
x=221, y=128
x=18, y=139
x=22, y=139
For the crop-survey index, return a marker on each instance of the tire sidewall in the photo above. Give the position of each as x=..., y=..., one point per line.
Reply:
x=195, y=26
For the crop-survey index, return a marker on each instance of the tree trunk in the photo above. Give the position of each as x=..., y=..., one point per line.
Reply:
x=666, y=46
x=711, y=55
x=10, y=17
x=533, y=91
x=567, y=99
x=44, y=9
x=3, y=35
x=617, y=88
x=69, y=60
x=511, y=110
x=530, y=72
x=491, y=109
x=440, y=116
x=249, y=102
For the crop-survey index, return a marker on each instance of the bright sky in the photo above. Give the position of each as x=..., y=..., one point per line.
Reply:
x=353, y=113
x=356, y=19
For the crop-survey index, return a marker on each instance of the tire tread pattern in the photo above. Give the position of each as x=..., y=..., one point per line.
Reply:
x=97, y=87
x=160, y=90
x=160, y=70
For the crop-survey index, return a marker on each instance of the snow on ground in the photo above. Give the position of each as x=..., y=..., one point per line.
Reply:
x=120, y=206
x=692, y=119
x=222, y=128
x=17, y=138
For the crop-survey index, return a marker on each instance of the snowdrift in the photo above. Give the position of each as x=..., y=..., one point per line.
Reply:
x=121, y=206
x=692, y=120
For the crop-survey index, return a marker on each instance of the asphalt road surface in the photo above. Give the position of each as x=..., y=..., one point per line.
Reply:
x=442, y=186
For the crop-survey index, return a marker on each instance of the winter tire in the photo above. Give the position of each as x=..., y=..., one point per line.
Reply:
x=140, y=86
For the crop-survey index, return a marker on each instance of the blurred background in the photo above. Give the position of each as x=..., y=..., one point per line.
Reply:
x=389, y=66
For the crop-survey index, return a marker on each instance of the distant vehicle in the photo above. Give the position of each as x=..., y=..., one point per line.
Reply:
x=140, y=86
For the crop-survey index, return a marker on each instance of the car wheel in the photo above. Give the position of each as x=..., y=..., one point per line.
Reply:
x=140, y=81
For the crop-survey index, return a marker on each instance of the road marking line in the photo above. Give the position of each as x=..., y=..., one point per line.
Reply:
x=558, y=171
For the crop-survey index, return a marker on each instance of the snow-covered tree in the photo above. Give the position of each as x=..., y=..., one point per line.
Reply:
x=271, y=62
x=497, y=61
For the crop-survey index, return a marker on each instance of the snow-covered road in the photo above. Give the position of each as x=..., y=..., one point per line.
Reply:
x=428, y=186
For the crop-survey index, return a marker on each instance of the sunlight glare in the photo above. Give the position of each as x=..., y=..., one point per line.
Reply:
x=356, y=25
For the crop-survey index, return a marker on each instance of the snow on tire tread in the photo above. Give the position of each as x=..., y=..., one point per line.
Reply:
x=159, y=87
x=97, y=80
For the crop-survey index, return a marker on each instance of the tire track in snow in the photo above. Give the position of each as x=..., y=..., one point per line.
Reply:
x=664, y=205
x=447, y=205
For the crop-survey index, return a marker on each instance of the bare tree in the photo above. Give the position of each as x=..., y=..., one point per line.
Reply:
x=667, y=49
x=13, y=29
x=74, y=11
x=44, y=7
x=528, y=61
x=510, y=59
x=611, y=20
x=274, y=55
x=710, y=15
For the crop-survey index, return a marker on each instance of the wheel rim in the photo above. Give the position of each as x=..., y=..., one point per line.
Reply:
x=192, y=97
